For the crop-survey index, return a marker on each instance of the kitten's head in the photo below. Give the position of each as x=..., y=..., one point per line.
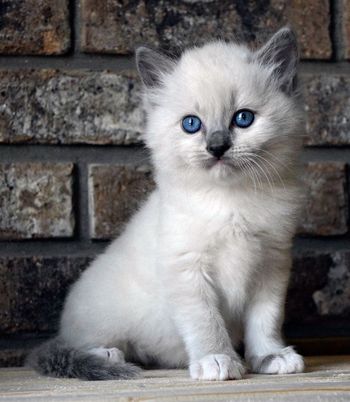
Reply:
x=223, y=111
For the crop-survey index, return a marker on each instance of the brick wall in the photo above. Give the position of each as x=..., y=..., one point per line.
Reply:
x=72, y=167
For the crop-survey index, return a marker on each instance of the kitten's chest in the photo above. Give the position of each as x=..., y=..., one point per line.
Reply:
x=236, y=255
x=235, y=249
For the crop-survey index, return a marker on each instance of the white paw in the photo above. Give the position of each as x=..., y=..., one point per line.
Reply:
x=113, y=355
x=217, y=367
x=286, y=361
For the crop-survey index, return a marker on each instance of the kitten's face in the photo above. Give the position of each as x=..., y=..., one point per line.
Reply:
x=220, y=113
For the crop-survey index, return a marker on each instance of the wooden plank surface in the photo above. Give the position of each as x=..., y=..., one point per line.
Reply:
x=327, y=378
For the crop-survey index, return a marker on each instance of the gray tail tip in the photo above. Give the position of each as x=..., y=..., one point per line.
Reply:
x=93, y=368
x=55, y=359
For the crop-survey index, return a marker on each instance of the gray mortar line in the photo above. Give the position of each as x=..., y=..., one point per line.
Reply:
x=324, y=68
x=110, y=154
x=81, y=199
x=117, y=63
x=52, y=248
x=79, y=61
x=322, y=244
x=89, y=248
x=320, y=154
x=74, y=248
x=73, y=153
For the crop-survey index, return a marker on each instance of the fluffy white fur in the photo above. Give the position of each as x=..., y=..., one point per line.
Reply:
x=205, y=262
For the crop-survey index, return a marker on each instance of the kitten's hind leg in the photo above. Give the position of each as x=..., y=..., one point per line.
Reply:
x=112, y=355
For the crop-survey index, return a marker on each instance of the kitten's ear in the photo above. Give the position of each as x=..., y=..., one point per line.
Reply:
x=280, y=53
x=151, y=65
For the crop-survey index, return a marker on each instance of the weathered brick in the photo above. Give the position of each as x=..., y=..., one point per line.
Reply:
x=334, y=297
x=12, y=357
x=116, y=26
x=319, y=290
x=115, y=193
x=327, y=99
x=32, y=291
x=346, y=28
x=326, y=199
x=105, y=108
x=309, y=274
x=34, y=27
x=311, y=19
x=36, y=200
x=49, y=106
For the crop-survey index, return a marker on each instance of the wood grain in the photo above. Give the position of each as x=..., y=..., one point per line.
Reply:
x=327, y=378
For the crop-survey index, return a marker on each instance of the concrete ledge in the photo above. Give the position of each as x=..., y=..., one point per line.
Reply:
x=326, y=378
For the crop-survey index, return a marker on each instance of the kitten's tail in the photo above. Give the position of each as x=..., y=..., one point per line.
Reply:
x=55, y=359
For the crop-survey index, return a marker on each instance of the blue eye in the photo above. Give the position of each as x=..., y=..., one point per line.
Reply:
x=191, y=124
x=243, y=118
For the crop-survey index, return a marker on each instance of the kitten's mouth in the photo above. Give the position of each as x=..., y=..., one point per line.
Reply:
x=213, y=163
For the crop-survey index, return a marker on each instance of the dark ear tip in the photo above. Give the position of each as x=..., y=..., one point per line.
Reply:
x=288, y=33
x=143, y=48
x=142, y=51
x=151, y=65
x=287, y=29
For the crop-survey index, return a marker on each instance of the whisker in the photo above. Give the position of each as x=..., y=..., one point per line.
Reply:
x=262, y=170
x=275, y=170
x=255, y=155
x=277, y=159
x=273, y=167
x=254, y=176
x=245, y=168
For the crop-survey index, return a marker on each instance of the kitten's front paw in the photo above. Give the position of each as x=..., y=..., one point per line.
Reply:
x=217, y=367
x=286, y=361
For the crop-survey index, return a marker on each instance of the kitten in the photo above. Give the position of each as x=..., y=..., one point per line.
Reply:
x=204, y=264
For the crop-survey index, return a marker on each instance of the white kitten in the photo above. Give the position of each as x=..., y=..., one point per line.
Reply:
x=206, y=260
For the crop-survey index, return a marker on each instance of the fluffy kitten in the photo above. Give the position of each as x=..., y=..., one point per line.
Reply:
x=205, y=262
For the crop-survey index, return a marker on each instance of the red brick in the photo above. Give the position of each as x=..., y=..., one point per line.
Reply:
x=115, y=193
x=327, y=99
x=116, y=26
x=319, y=290
x=326, y=199
x=68, y=107
x=34, y=27
x=346, y=27
x=36, y=200
x=32, y=291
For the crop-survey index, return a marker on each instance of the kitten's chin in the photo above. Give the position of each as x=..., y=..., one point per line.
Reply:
x=223, y=169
